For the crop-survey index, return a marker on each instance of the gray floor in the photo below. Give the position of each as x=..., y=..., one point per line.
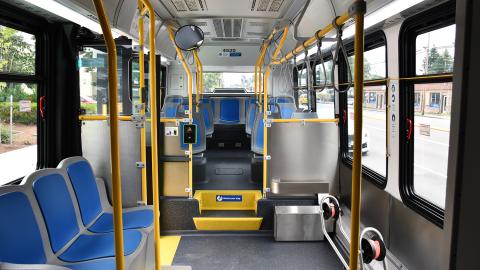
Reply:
x=253, y=252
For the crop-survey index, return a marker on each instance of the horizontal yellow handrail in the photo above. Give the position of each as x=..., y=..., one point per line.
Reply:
x=170, y=120
x=312, y=41
x=103, y=117
x=311, y=120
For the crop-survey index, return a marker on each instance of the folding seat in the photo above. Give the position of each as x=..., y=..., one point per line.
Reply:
x=95, y=209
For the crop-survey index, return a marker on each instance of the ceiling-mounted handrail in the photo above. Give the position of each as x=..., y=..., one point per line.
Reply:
x=147, y=7
x=313, y=40
x=114, y=145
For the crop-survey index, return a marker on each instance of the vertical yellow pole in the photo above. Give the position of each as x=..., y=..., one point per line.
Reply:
x=153, y=129
x=357, y=142
x=265, y=108
x=190, y=114
x=114, y=147
x=143, y=136
x=198, y=76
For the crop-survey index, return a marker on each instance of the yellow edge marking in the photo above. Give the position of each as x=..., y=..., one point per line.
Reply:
x=169, y=248
x=207, y=199
x=227, y=224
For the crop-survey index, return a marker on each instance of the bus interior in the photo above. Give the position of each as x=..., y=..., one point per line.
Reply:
x=227, y=134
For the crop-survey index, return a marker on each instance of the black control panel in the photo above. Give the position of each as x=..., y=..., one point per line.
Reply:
x=190, y=134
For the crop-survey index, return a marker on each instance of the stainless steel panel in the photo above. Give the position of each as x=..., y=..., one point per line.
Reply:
x=417, y=242
x=298, y=223
x=303, y=152
x=171, y=144
x=280, y=187
x=96, y=148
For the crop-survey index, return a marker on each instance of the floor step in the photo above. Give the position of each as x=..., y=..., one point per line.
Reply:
x=228, y=213
x=227, y=223
x=228, y=199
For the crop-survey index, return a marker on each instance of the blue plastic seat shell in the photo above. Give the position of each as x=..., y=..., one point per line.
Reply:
x=86, y=191
x=57, y=209
x=20, y=238
x=104, y=264
x=89, y=247
x=131, y=220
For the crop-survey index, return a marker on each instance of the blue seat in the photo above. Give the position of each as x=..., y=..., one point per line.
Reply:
x=257, y=134
x=285, y=106
x=250, y=119
x=207, y=112
x=90, y=200
x=20, y=238
x=229, y=111
x=51, y=191
x=169, y=109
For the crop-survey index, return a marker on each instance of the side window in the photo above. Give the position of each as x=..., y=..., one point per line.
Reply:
x=18, y=104
x=302, y=88
x=326, y=97
x=374, y=135
x=425, y=107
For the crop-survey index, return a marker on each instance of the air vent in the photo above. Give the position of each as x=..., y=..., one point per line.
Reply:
x=275, y=5
x=263, y=5
x=255, y=34
x=227, y=27
x=217, y=24
x=179, y=5
x=201, y=24
x=192, y=5
x=237, y=27
x=188, y=5
x=258, y=24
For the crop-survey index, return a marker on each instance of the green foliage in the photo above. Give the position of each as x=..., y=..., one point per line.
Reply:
x=89, y=108
x=5, y=135
x=16, y=54
x=212, y=80
x=437, y=63
x=26, y=118
x=18, y=91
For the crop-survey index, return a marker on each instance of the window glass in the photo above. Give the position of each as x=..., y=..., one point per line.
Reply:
x=375, y=65
x=435, y=51
x=320, y=74
x=92, y=65
x=302, y=92
x=325, y=98
x=431, y=140
x=374, y=134
x=135, y=84
x=18, y=130
x=212, y=80
x=17, y=51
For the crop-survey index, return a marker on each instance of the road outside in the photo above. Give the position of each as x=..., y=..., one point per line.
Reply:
x=431, y=152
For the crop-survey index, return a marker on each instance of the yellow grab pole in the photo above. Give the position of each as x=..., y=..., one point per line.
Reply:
x=114, y=147
x=265, y=109
x=103, y=117
x=198, y=76
x=190, y=114
x=153, y=130
x=143, y=136
x=357, y=140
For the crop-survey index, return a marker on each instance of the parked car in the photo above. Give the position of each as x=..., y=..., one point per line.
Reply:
x=365, y=139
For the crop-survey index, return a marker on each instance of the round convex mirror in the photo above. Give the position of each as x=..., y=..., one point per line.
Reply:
x=189, y=37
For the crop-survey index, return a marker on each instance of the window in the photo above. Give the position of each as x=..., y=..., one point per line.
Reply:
x=326, y=98
x=135, y=84
x=429, y=41
x=374, y=134
x=212, y=80
x=18, y=104
x=93, y=74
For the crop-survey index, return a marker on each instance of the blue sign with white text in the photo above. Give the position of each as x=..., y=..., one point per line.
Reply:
x=229, y=198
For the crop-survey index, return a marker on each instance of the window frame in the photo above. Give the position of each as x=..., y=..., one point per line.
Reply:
x=427, y=21
x=373, y=40
x=14, y=17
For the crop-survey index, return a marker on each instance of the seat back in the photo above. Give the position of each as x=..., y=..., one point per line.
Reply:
x=169, y=109
x=81, y=175
x=257, y=134
x=229, y=111
x=285, y=106
x=207, y=113
x=250, y=120
x=55, y=202
x=20, y=238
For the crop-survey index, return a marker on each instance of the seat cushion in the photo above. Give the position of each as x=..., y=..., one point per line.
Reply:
x=89, y=247
x=103, y=264
x=131, y=220
x=20, y=239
